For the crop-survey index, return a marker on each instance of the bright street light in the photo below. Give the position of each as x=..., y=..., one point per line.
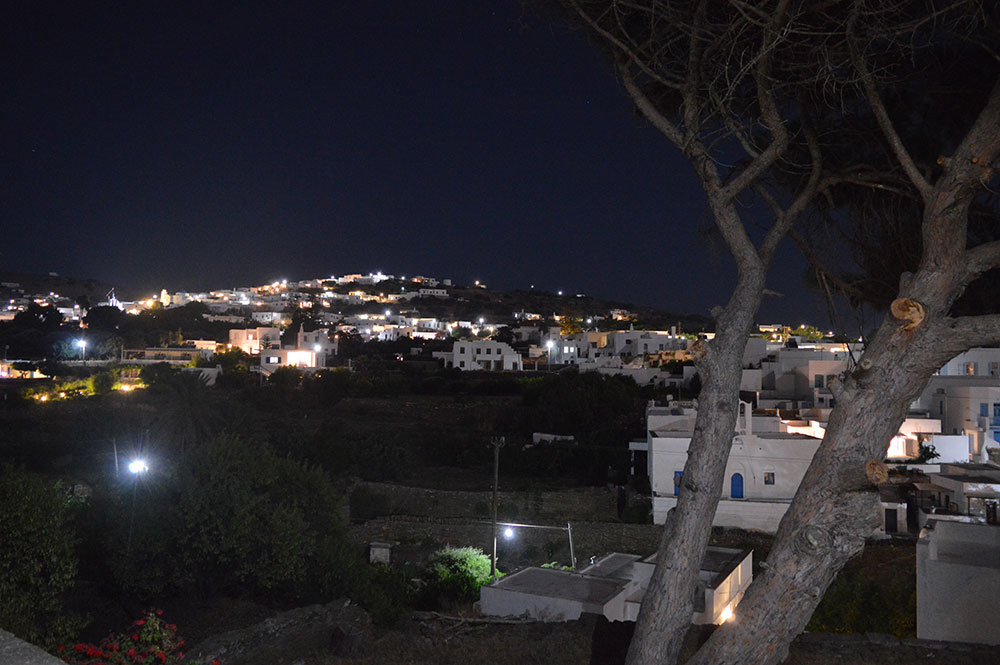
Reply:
x=508, y=533
x=138, y=466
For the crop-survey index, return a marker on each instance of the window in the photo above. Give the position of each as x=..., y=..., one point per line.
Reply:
x=983, y=410
x=479, y=351
x=818, y=381
x=678, y=475
x=274, y=360
x=940, y=408
x=489, y=351
x=461, y=363
x=970, y=369
x=461, y=349
x=769, y=477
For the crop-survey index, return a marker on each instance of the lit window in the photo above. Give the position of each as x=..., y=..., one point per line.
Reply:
x=769, y=477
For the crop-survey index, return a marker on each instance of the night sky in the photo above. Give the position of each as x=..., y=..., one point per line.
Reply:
x=193, y=146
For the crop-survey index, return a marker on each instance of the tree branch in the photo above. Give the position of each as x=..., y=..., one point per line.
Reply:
x=967, y=332
x=980, y=259
x=881, y=115
x=769, y=110
x=784, y=221
x=648, y=109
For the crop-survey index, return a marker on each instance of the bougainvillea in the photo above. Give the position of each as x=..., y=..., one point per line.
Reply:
x=149, y=641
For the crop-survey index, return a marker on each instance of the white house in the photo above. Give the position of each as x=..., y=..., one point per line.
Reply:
x=763, y=472
x=767, y=461
x=305, y=359
x=614, y=587
x=481, y=354
x=958, y=582
x=966, y=405
x=251, y=340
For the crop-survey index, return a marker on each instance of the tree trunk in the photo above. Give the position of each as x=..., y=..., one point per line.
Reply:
x=836, y=506
x=665, y=615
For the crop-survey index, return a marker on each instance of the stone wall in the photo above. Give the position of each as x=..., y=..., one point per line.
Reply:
x=415, y=537
x=594, y=504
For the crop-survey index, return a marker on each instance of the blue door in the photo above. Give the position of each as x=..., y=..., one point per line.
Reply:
x=736, y=487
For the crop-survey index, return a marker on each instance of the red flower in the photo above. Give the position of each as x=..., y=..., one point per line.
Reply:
x=60, y=647
x=140, y=622
x=80, y=647
x=215, y=662
x=130, y=653
x=159, y=613
x=135, y=638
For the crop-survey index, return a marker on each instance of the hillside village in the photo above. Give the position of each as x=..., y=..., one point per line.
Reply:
x=939, y=483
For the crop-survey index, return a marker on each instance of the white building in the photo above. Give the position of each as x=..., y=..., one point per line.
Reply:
x=304, y=359
x=958, y=582
x=966, y=405
x=614, y=587
x=763, y=472
x=767, y=461
x=481, y=355
x=251, y=340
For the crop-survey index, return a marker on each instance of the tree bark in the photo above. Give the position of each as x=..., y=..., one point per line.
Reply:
x=836, y=506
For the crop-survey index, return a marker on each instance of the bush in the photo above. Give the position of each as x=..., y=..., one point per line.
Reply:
x=454, y=574
x=234, y=517
x=37, y=555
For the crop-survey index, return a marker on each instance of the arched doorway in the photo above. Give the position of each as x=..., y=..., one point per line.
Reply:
x=736, y=486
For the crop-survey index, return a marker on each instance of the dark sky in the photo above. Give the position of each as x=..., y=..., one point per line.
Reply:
x=191, y=146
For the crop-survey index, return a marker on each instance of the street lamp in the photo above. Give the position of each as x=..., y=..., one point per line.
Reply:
x=508, y=534
x=138, y=466
x=82, y=343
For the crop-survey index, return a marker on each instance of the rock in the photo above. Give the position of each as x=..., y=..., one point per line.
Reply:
x=13, y=650
x=340, y=628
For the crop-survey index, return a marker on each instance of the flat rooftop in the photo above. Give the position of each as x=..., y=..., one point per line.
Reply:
x=719, y=562
x=552, y=583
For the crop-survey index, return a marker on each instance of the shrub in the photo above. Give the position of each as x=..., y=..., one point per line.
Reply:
x=37, y=555
x=454, y=574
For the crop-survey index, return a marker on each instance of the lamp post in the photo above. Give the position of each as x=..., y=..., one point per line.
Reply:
x=82, y=343
x=497, y=442
x=136, y=467
x=508, y=533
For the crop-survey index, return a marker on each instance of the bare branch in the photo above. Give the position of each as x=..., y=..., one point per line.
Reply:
x=649, y=110
x=769, y=110
x=966, y=332
x=982, y=258
x=881, y=115
x=784, y=222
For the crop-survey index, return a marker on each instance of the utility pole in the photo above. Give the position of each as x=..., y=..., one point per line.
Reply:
x=497, y=442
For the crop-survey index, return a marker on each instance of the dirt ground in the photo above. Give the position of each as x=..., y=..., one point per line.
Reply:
x=454, y=643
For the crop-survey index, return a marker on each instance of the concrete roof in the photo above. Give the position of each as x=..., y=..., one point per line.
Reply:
x=553, y=583
x=718, y=562
x=615, y=565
